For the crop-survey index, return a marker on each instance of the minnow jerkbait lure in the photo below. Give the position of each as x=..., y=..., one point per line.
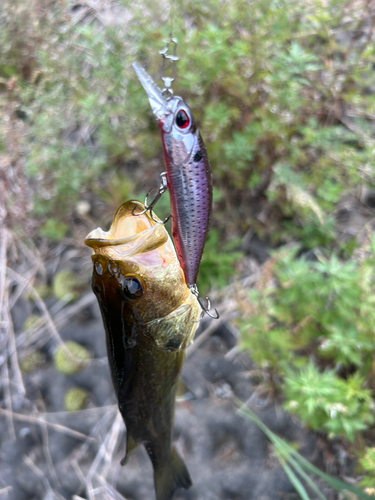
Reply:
x=188, y=176
x=150, y=317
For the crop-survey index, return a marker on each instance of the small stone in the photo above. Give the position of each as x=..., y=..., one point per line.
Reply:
x=83, y=208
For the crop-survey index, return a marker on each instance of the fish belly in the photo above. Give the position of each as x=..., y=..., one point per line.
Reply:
x=146, y=401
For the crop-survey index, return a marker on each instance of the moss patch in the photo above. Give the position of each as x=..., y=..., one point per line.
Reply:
x=71, y=358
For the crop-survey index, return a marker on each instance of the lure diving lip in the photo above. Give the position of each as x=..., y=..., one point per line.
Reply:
x=188, y=175
x=149, y=316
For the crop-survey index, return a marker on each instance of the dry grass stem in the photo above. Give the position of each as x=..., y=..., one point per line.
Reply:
x=105, y=453
x=6, y=490
x=87, y=411
x=41, y=421
x=95, y=434
x=47, y=454
x=42, y=477
x=110, y=491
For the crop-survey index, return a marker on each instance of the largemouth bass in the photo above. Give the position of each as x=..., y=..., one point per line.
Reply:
x=150, y=317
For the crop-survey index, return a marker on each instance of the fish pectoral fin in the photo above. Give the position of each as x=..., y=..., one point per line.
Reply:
x=130, y=445
x=174, y=332
x=170, y=476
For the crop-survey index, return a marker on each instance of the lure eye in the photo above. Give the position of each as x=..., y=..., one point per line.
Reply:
x=182, y=119
x=132, y=288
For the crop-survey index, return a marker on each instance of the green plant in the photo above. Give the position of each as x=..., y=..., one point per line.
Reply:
x=297, y=468
x=54, y=229
x=279, y=89
x=71, y=357
x=75, y=399
x=264, y=95
x=31, y=322
x=312, y=323
x=367, y=463
x=67, y=286
x=218, y=262
x=119, y=189
x=327, y=402
x=32, y=361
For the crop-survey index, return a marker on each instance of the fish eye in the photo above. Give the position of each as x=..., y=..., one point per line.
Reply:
x=182, y=119
x=132, y=288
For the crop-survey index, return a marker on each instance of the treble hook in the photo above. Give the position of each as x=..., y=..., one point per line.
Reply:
x=149, y=207
x=194, y=291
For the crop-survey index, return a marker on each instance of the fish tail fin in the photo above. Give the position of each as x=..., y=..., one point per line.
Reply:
x=172, y=475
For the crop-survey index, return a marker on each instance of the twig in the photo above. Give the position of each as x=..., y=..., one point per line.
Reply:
x=47, y=455
x=42, y=477
x=3, y=257
x=13, y=351
x=117, y=426
x=105, y=452
x=98, y=409
x=41, y=421
x=59, y=320
x=6, y=490
x=109, y=489
x=8, y=401
x=79, y=473
x=78, y=453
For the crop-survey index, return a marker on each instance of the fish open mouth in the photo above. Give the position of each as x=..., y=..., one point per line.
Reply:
x=135, y=234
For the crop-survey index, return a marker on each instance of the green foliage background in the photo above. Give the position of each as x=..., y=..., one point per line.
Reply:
x=283, y=91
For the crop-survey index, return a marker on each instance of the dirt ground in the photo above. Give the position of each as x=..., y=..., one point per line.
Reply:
x=47, y=452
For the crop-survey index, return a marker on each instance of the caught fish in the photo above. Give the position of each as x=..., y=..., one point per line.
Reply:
x=188, y=175
x=150, y=317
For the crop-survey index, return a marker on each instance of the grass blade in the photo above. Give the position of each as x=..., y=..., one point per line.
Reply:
x=335, y=483
x=295, y=481
x=293, y=463
x=298, y=462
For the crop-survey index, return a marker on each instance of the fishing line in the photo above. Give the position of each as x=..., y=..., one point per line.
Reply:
x=169, y=57
x=172, y=12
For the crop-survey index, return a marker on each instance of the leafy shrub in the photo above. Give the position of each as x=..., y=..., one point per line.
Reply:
x=218, y=262
x=367, y=463
x=313, y=324
x=280, y=90
x=326, y=402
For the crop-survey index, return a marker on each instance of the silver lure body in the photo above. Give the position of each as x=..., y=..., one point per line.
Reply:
x=188, y=175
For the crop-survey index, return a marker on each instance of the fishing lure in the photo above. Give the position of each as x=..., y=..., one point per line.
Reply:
x=150, y=317
x=188, y=174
